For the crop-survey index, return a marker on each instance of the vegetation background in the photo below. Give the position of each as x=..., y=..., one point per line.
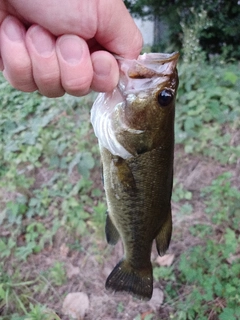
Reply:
x=52, y=204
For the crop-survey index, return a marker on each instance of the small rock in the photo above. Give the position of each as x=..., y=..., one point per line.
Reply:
x=75, y=305
x=157, y=299
x=166, y=260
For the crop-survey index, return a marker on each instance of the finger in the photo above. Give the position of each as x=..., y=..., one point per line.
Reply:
x=75, y=64
x=46, y=73
x=15, y=58
x=108, y=21
x=105, y=71
x=1, y=62
x=117, y=31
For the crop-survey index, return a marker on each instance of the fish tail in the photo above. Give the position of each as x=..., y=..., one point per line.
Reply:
x=138, y=282
x=164, y=236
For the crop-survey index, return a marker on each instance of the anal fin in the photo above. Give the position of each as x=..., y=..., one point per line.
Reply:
x=112, y=234
x=164, y=236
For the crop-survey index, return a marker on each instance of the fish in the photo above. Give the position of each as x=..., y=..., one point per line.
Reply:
x=134, y=125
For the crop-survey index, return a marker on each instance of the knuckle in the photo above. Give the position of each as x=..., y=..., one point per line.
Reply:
x=48, y=79
x=78, y=86
x=19, y=75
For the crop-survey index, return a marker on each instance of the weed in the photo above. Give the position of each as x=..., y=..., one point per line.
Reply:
x=57, y=274
x=147, y=317
x=179, y=193
x=223, y=202
x=208, y=99
x=13, y=291
x=39, y=312
x=210, y=272
x=120, y=308
x=46, y=156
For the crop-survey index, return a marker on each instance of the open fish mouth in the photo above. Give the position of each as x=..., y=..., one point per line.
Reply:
x=143, y=74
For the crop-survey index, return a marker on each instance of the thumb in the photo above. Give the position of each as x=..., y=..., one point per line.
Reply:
x=117, y=31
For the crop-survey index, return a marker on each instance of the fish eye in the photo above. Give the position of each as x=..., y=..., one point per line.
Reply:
x=165, y=97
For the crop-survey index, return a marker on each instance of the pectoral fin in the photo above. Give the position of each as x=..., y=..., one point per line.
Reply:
x=122, y=176
x=164, y=236
x=112, y=234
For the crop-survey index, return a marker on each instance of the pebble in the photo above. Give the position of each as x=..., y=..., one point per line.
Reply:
x=76, y=305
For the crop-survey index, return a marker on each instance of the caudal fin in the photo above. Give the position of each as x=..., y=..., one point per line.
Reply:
x=139, y=283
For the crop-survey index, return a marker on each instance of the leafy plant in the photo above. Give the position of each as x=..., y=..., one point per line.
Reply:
x=208, y=273
x=220, y=36
x=38, y=312
x=211, y=278
x=207, y=111
x=223, y=202
x=17, y=294
x=13, y=293
x=57, y=274
x=147, y=317
x=179, y=193
x=47, y=152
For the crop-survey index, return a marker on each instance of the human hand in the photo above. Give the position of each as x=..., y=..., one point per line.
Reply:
x=63, y=46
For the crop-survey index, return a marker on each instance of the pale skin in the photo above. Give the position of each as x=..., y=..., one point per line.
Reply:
x=58, y=46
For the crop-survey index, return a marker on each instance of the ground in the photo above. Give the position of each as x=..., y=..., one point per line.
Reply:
x=52, y=208
x=88, y=263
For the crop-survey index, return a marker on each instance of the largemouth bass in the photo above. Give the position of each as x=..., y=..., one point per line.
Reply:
x=135, y=128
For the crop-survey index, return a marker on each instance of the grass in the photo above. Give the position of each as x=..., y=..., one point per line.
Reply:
x=47, y=152
x=207, y=276
x=52, y=206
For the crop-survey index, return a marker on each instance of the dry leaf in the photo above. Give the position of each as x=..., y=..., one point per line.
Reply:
x=166, y=260
x=64, y=250
x=232, y=258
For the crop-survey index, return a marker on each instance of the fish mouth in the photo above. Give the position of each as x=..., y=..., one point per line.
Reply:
x=148, y=65
x=160, y=63
x=146, y=72
x=139, y=78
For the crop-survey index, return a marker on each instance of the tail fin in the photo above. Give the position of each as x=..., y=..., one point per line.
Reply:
x=139, y=283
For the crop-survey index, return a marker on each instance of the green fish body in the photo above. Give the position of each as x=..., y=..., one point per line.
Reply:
x=135, y=128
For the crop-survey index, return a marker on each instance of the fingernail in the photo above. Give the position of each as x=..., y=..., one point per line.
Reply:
x=71, y=49
x=42, y=41
x=102, y=67
x=12, y=30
